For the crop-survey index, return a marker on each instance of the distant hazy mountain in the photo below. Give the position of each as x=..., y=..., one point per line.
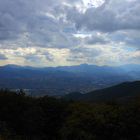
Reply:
x=61, y=80
x=122, y=92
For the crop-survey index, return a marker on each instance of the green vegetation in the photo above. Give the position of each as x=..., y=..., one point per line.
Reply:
x=46, y=118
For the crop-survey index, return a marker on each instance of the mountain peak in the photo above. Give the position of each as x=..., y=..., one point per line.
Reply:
x=12, y=66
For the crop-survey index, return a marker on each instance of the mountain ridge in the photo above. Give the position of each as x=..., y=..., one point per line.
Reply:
x=65, y=79
x=118, y=92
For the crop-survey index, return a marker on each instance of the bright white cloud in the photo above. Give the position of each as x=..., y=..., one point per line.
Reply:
x=93, y=3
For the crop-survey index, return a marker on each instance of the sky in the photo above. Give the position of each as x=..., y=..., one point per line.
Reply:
x=44, y=33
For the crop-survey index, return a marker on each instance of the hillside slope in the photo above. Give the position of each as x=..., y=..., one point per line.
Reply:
x=119, y=92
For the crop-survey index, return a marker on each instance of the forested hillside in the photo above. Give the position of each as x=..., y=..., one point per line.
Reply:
x=122, y=92
x=46, y=118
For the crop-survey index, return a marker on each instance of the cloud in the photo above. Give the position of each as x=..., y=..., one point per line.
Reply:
x=109, y=17
x=94, y=39
x=49, y=56
x=129, y=38
x=82, y=55
x=3, y=57
x=41, y=21
x=69, y=31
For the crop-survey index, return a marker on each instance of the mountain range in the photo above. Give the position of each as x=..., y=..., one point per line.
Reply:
x=65, y=79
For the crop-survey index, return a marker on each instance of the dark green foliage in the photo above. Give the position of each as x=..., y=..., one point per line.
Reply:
x=102, y=121
x=46, y=118
x=31, y=117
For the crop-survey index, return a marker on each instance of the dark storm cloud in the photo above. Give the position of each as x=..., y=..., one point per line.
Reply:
x=111, y=16
x=46, y=25
x=40, y=20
